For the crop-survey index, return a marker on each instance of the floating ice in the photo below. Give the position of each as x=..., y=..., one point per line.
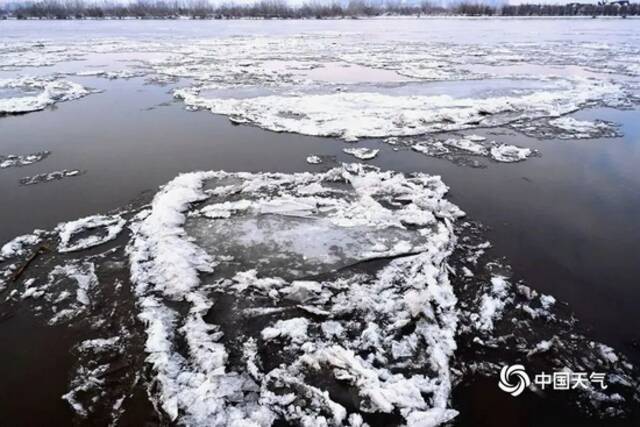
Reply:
x=568, y=128
x=58, y=288
x=582, y=129
x=314, y=227
x=492, y=303
x=289, y=331
x=356, y=197
x=362, y=153
x=39, y=94
x=357, y=258
x=100, y=229
x=50, y=176
x=509, y=153
x=111, y=75
x=314, y=160
x=295, y=329
x=15, y=160
x=17, y=246
x=355, y=115
x=466, y=144
x=456, y=149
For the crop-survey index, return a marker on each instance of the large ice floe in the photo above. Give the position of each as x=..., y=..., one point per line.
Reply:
x=358, y=214
x=37, y=93
x=344, y=297
x=353, y=115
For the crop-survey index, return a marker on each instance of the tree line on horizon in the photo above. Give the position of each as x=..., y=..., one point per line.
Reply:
x=280, y=9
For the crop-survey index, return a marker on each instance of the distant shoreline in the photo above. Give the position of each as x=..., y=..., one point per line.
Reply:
x=336, y=18
x=281, y=9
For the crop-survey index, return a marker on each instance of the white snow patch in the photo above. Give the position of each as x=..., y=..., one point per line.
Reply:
x=104, y=228
x=294, y=329
x=509, y=153
x=493, y=303
x=362, y=153
x=17, y=246
x=50, y=91
x=314, y=160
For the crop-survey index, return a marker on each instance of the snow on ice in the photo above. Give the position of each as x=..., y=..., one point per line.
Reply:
x=362, y=153
x=16, y=160
x=110, y=227
x=38, y=94
x=349, y=285
x=261, y=294
x=354, y=115
x=314, y=160
x=50, y=176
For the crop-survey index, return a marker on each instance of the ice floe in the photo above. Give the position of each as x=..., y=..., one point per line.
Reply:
x=314, y=299
x=355, y=115
x=18, y=245
x=459, y=149
x=568, y=128
x=39, y=93
x=50, y=176
x=493, y=302
x=18, y=160
x=509, y=153
x=270, y=297
x=111, y=75
x=362, y=153
x=417, y=200
x=88, y=232
x=314, y=160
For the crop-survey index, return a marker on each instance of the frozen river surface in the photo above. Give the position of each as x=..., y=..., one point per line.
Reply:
x=383, y=214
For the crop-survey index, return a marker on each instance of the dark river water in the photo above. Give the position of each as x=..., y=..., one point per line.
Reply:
x=567, y=221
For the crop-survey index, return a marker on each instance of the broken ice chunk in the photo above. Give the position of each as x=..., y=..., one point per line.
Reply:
x=102, y=229
x=224, y=210
x=430, y=148
x=294, y=329
x=48, y=177
x=49, y=91
x=314, y=160
x=17, y=246
x=568, y=127
x=14, y=160
x=493, y=302
x=466, y=144
x=362, y=153
x=509, y=153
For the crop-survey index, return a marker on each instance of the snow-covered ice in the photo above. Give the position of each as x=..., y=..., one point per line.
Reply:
x=469, y=145
x=39, y=93
x=100, y=229
x=18, y=160
x=263, y=296
x=17, y=246
x=353, y=115
x=362, y=153
x=314, y=160
x=418, y=201
x=509, y=153
x=50, y=176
